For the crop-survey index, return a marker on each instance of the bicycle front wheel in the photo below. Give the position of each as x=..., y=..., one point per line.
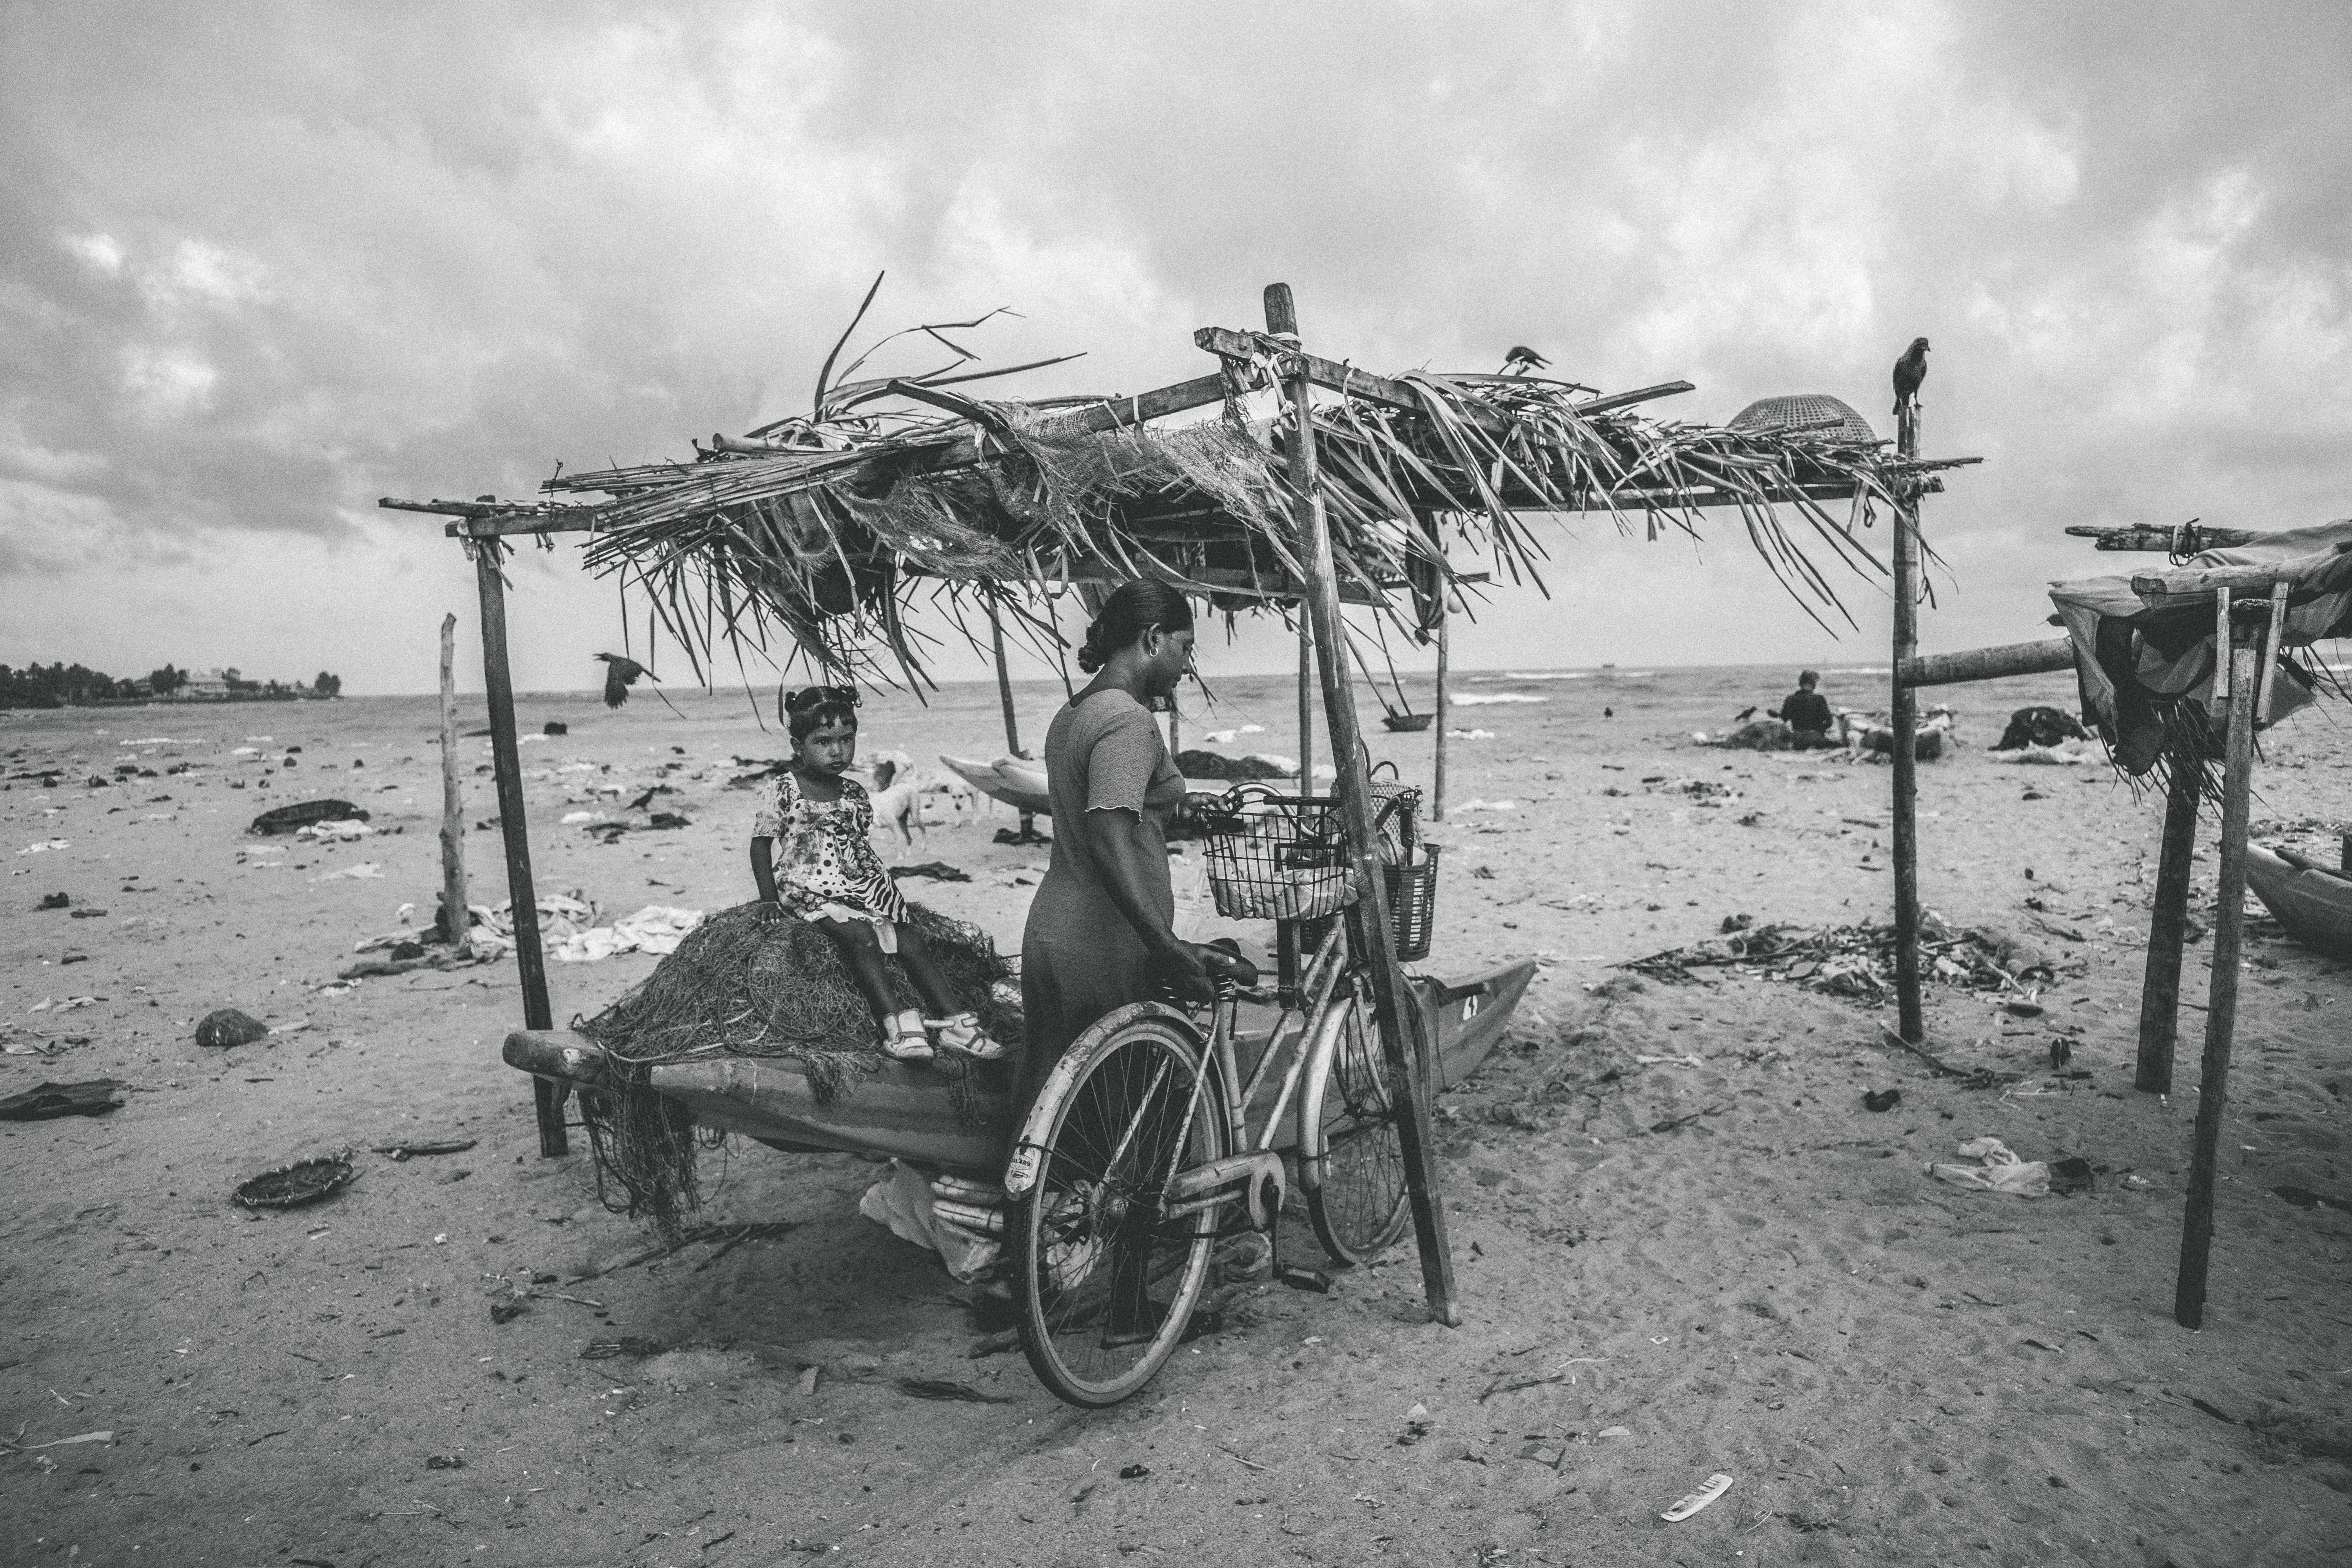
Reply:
x=1358, y=1208
x=1106, y=1278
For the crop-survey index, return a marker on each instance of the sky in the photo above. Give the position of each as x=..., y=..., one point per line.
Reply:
x=266, y=263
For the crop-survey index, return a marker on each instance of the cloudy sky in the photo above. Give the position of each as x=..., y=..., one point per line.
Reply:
x=266, y=263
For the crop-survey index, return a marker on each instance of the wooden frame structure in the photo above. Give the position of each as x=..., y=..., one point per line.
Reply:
x=1670, y=479
x=2251, y=605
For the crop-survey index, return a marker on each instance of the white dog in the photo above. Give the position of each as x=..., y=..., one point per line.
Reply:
x=900, y=791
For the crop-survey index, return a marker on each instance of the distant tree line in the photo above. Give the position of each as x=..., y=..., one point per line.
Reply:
x=77, y=686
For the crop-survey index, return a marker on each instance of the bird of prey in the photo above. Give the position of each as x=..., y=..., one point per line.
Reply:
x=1909, y=372
x=621, y=673
x=1523, y=359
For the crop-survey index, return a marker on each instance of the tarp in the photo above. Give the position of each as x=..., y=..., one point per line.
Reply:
x=2145, y=662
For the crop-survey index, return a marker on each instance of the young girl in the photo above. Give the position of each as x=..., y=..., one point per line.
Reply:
x=828, y=874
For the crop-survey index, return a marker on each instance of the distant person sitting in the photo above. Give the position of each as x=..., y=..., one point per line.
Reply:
x=1807, y=713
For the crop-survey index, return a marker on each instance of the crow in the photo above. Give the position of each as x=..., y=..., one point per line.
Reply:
x=1910, y=371
x=1523, y=359
x=621, y=673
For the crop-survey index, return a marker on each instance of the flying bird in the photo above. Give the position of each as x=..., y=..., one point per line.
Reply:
x=1909, y=372
x=621, y=673
x=1523, y=359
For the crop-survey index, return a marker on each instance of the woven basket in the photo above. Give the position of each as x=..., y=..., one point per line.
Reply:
x=1808, y=415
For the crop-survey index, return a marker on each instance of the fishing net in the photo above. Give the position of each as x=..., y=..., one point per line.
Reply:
x=741, y=984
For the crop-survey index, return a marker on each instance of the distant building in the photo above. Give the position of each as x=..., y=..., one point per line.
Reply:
x=205, y=683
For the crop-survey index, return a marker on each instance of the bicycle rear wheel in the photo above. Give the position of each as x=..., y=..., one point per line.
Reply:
x=1106, y=1280
x=1358, y=1208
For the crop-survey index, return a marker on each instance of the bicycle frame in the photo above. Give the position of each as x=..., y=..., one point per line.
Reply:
x=1255, y=1168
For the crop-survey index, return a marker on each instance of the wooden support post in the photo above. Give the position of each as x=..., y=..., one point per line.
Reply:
x=1306, y=699
x=1913, y=1025
x=1444, y=637
x=530, y=963
x=2221, y=1002
x=2168, y=931
x=455, y=912
x=1004, y=696
x=1369, y=933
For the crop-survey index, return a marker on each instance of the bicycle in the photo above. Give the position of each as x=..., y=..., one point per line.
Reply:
x=1140, y=1155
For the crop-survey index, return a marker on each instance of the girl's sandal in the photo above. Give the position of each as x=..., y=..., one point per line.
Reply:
x=905, y=1041
x=961, y=1033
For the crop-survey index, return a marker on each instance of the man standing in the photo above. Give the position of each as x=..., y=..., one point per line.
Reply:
x=1807, y=714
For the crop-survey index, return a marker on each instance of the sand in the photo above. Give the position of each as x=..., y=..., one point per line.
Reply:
x=1894, y=1370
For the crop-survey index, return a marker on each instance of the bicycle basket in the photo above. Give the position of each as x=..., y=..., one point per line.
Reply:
x=1277, y=858
x=1412, y=904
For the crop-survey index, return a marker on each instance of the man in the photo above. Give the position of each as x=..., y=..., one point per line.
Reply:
x=1807, y=713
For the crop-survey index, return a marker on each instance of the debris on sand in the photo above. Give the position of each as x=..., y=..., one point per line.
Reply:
x=55, y=902
x=937, y=870
x=95, y=1097
x=226, y=1028
x=303, y=1182
x=303, y=813
x=1855, y=961
x=555, y=727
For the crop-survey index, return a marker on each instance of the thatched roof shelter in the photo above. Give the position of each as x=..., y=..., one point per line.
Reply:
x=830, y=528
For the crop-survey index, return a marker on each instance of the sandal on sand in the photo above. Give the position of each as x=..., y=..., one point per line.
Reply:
x=903, y=1039
x=961, y=1033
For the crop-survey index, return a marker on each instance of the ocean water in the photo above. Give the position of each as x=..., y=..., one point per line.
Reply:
x=1601, y=710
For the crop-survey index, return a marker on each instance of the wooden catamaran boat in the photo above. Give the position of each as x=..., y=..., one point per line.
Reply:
x=2312, y=901
x=912, y=1113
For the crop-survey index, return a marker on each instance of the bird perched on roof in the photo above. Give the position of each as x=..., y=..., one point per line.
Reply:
x=621, y=673
x=1909, y=372
x=1523, y=359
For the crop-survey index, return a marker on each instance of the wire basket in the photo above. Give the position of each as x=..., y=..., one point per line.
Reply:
x=1285, y=858
x=1277, y=858
x=1412, y=904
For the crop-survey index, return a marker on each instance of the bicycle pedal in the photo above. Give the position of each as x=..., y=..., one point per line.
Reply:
x=1303, y=1278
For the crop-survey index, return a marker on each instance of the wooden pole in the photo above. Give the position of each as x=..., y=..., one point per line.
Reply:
x=1990, y=663
x=1444, y=637
x=1907, y=740
x=2168, y=933
x=1369, y=933
x=1004, y=696
x=1306, y=700
x=455, y=912
x=2221, y=1002
x=530, y=964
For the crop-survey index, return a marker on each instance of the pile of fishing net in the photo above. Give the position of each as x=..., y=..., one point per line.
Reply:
x=747, y=984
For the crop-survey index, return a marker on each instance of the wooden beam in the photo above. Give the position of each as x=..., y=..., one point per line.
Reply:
x=1616, y=400
x=530, y=963
x=1341, y=378
x=1987, y=663
x=2189, y=538
x=2221, y=1001
x=2194, y=580
x=456, y=904
x=1370, y=934
x=1908, y=1009
x=2168, y=933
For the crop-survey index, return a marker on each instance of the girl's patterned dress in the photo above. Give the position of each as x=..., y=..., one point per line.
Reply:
x=825, y=864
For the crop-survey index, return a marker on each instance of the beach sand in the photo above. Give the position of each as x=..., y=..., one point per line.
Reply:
x=1892, y=1369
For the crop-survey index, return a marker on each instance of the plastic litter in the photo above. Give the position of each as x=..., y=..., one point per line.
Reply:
x=902, y=1203
x=2001, y=1171
x=1689, y=1503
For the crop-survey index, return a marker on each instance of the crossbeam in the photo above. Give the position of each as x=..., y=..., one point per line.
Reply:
x=1987, y=663
x=2190, y=538
x=1346, y=380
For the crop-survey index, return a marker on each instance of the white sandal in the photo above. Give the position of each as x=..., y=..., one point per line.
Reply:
x=961, y=1033
x=903, y=1040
